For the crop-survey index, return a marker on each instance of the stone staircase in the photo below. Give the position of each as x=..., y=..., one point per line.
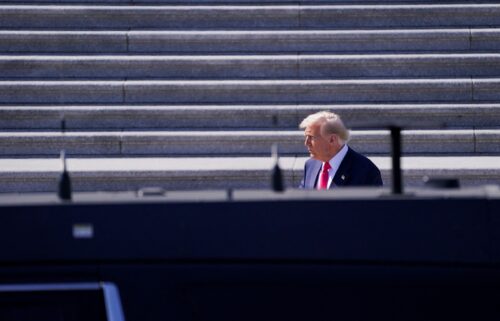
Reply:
x=192, y=94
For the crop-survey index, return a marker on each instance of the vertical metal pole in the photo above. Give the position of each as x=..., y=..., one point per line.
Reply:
x=397, y=180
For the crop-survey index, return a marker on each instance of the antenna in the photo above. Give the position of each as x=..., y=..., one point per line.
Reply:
x=64, y=191
x=276, y=177
x=63, y=124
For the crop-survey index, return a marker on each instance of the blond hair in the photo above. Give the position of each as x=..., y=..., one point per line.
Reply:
x=330, y=124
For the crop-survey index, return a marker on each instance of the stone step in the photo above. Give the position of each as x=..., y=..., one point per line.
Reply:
x=168, y=117
x=239, y=142
x=287, y=16
x=199, y=2
x=250, y=91
x=120, y=174
x=253, y=41
x=315, y=40
x=251, y=66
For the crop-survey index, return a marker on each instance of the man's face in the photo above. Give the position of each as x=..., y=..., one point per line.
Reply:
x=321, y=147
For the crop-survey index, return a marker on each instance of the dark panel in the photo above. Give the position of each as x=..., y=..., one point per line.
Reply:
x=298, y=292
x=435, y=230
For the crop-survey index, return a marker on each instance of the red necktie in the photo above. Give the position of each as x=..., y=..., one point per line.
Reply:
x=323, y=176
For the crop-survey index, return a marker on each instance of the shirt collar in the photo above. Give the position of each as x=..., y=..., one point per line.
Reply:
x=338, y=158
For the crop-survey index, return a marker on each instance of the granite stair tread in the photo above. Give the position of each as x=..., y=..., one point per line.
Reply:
x=112, y=174
x=175, y=117
x=260, y=16
x=239, y=142
x=251, y=91
x=250, y=41
x=213, y=67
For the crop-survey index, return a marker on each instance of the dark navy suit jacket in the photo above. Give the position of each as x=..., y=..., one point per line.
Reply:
x=355, y=170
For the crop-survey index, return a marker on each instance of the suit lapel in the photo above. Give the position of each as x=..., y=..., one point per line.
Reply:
x=313, y=174
x=343, y=173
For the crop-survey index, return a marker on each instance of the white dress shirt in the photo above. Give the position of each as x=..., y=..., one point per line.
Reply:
x=335, y=164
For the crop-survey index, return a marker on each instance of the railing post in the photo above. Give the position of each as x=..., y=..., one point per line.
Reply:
x=397, y=179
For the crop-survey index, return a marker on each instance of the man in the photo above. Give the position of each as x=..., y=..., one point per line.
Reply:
x=332, y=162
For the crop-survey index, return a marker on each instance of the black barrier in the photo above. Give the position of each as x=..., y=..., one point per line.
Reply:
x=354, y=254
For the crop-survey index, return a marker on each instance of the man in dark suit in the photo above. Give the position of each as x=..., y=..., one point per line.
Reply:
x=332, y=162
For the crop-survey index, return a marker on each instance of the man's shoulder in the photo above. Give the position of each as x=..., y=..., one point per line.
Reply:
x=359, y=158
x=311, y=161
